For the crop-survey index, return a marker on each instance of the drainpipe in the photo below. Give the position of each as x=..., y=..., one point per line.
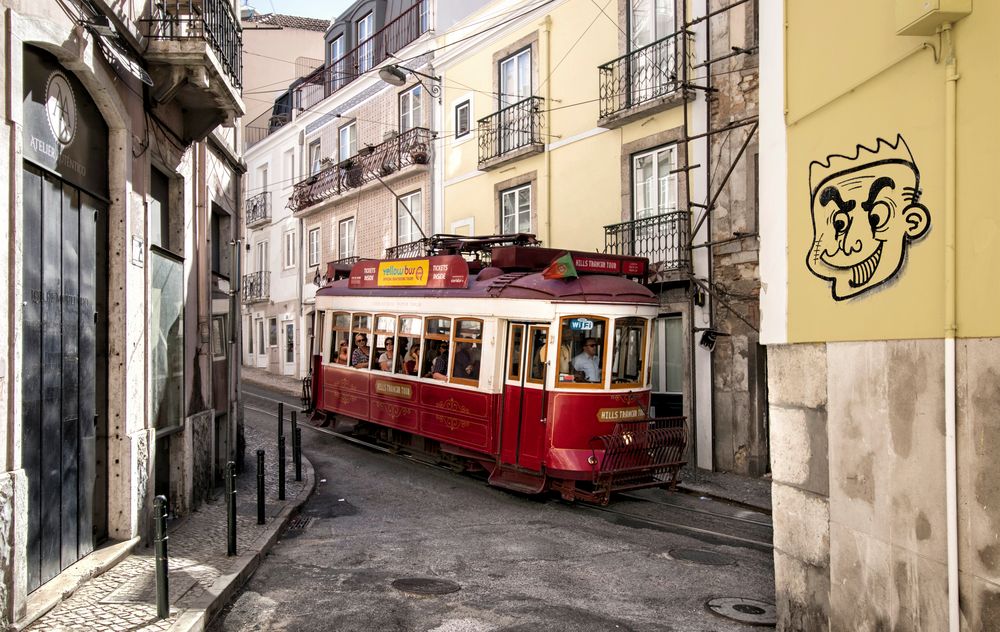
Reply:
x=547, y=36
x=950, y=322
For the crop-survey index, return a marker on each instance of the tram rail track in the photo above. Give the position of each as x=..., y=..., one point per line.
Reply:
x=629, y=517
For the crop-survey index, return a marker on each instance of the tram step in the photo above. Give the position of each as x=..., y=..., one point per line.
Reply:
x=517, y=481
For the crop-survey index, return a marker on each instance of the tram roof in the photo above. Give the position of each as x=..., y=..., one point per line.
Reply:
x=596, y=288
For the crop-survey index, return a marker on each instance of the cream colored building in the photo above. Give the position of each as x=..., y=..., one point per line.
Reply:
x=586, y=128
x=879, y=311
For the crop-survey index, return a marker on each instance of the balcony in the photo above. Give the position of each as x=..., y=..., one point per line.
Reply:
x=256, y=287
x=646, y=79
x=663, y=239
x=368, y=54
x=410, y=250
x=258, y=209
x=511, y=133
x=412, y=147
x=264, y=125
x=195, y=58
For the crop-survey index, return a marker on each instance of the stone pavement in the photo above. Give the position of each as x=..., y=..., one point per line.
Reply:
x=202, y=578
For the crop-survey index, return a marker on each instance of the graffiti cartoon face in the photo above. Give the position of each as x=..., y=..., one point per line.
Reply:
x=865, y=210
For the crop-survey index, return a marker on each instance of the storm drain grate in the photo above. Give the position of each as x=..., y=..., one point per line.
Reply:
x=425, y=586
x=299, y=523
x=700, y=556
x=750, y=611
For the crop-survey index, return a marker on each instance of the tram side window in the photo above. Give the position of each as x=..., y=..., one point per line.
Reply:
x=408, y=345
x=436, y=334
x=581, y=350
x=516, y=340
x=538, y=353
x=385, y=343
x=629, y=352
x=468, y=351
x=361, y=353
x=340, y=340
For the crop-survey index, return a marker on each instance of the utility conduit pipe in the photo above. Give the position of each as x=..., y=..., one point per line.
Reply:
x=950, y=322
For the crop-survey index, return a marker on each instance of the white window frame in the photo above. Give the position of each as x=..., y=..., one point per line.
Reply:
x=667, y=182
x=523, y=87
x=414, y=202
x=314, y=247
x=350, y=143
x=337, y=51
x=364, y=29
x=345, y=238
x=512, y=194
x=315, y=155
x=466, y=102
x=411, y=108
x=288, y=256
x=261, y=257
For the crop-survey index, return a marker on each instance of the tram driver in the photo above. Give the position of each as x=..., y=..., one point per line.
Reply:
x=587, y=363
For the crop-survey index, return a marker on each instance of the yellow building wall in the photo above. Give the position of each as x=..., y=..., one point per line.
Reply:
x=850, y=80
x=579, y=184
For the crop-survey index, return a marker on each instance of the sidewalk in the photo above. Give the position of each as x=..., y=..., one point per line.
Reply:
x=202, y=579
x=259, y=377
x=736, y=488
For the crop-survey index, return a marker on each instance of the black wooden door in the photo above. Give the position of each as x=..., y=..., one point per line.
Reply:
x=64, y=387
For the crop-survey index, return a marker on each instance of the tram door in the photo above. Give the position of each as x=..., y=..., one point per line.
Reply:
x=524, y=399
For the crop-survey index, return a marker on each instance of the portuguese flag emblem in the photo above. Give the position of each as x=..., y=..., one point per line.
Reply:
x=561, y=268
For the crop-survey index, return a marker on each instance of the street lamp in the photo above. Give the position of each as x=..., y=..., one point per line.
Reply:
x=395, y=75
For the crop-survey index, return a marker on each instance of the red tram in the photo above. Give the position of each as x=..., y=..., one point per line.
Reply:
x=541, y=381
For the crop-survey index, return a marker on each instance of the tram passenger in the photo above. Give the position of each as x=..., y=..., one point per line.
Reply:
x=385, y=360
x=439, y=368
x=408, y=361
x=361, y=355
x=467, y=361
x=586, y=363
x=342, y=354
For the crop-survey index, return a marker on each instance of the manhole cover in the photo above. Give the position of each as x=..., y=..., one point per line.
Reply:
x=751, y=611
x=700, y=556
x=425, y=586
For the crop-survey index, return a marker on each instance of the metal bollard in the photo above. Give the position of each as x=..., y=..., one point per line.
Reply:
x=260, y=487
x=281, y=468
x=296, y=447
x=231, y=508
x=281, y=419
x=298, y=454
x=160, y=544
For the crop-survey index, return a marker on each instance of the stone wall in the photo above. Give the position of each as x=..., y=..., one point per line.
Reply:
x=859, y=494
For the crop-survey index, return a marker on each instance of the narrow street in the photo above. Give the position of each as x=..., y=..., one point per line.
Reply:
x=518, y=563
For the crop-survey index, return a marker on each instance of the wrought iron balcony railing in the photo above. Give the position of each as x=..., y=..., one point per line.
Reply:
x=409, y=250
x=258, y=209
x=256, y=287
x=211, y=20
x=264, y=125
x=368, y=54
x=642, y=75
x=663, y=239
x=409, y=148
x=509, y=129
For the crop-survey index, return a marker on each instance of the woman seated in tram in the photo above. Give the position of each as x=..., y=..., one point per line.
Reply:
x=342, y=354
x=407, y=364
x=361, y=355
x=385, y=360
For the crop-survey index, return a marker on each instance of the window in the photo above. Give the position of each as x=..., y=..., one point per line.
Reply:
x=409, y=345
x=262, y=178
x=340, y=326
x=261, y=257
x=629, y=352
x=338, y=64
x=361, y=353
x=337, y=48
x=515, y=210
x=463, y=119
x=668, y=356
x=159, y=211
x=289, y=167
x=261, y=348
x=468, y=351
x=653, y=70
x=385, y=343
x=219, y=338
x=406, y=228
x=424, y=16
x=655, y=188
x=289, y=260
x=410, y=109
x=649, y=21
x=581, y=351
x=345, y=231
x=515, y=78
x=538, y=338
x=366, y=49
x=348, y=141
x=272, y=332
x=314, y=247
x=516, y=342
x=166, y=359
x=437, y=330
x=315, y=156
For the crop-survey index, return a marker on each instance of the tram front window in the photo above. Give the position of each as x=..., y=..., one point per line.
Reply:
x=581, y=350
x=629, y=352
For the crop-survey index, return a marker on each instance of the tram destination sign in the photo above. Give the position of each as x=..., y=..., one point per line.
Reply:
x=609, y=265
x=444, y=272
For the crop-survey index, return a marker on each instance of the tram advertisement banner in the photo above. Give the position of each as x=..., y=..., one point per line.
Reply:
x=444, y=272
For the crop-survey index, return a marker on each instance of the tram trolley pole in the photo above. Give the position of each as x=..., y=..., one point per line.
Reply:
x=231, y=508
x=160, y=544
x=281, y=467
x=296, y=447
x=260, y=487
